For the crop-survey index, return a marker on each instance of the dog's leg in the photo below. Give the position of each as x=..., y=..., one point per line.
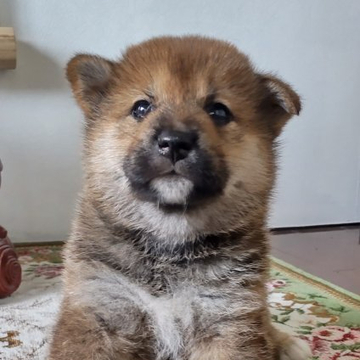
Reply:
x=282, y=346
x=226, y=350
x=290, y=347
x=78, y=336
x=234, y=344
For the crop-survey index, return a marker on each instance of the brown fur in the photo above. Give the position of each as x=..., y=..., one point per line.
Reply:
x=145, y=281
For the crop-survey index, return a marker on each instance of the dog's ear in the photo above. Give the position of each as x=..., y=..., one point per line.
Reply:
x=91, y=78
x=279, y=102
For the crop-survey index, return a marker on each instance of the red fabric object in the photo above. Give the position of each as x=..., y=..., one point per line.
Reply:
x=10, y=269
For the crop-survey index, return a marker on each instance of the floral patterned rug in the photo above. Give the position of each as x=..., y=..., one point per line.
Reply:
x=322, y=314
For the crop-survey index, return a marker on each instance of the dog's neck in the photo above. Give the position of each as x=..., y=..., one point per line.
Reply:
x=155, y=263
x=103, y=235
x=203, y=247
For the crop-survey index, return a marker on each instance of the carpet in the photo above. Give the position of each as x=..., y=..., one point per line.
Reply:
x=324, y=315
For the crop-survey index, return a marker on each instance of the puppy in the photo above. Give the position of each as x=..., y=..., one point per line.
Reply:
x=168, y=255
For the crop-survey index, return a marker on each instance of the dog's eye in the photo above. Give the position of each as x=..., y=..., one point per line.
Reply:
x=140, y=109
x=219, y=113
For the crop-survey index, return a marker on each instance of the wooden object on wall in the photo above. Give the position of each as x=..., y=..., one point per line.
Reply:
x=7, y=48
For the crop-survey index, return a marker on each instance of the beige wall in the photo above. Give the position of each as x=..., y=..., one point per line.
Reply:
x=313, y=44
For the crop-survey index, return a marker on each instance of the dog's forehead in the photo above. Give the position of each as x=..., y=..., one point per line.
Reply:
x=189, y=67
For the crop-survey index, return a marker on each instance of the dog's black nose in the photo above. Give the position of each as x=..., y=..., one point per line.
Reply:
x=176, y=145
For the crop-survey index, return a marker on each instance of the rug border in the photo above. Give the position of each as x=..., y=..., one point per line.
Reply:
x=336, y=291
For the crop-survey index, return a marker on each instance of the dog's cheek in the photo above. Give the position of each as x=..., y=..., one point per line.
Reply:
x=137, y=167
x=105, y=150
x=251, y=164
x=216, y=173
x=215, y=164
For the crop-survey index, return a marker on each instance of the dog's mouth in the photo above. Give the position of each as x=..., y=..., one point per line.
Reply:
x=187, y=182
x=172, y=189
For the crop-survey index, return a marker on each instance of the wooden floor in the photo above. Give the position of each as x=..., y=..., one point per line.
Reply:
x=333, y=255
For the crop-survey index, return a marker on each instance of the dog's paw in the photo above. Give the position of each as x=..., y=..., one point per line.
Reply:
x=295, y=349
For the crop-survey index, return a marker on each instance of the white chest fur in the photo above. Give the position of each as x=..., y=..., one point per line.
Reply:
x=121, y=302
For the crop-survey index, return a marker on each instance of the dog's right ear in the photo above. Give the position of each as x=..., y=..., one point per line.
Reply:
x=280, y=102
x=90, y=78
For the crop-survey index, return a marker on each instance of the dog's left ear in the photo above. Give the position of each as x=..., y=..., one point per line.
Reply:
x=279, y=103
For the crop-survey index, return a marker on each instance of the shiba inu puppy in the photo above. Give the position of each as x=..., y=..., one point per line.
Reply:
x=168, y=256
